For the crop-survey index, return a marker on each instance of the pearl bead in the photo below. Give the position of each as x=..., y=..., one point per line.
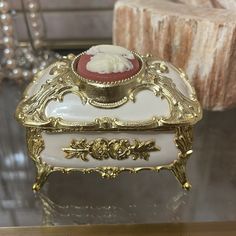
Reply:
x=11, y=64
x=17, y=72
x=35, y=71
x=8, y=53
x=8, y=41
x=42, y=65
x=38, y=43
x=30, y=58
x=33, y=6
x=37, y=34
x=33, y=16
x=27, y=74
x=8, y=30
x=6, y=19
x=35, y=25
x=4, y=7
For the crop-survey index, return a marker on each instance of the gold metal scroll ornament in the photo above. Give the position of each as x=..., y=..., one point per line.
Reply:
x=64, y=80
x=183, y=140
x=117, y=149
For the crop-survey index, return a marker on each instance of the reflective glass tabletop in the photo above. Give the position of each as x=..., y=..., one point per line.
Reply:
x=138, y=198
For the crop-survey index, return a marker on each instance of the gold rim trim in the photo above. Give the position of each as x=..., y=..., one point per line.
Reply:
x=183, y=140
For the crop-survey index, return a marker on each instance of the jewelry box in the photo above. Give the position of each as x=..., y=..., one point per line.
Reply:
x=109, y=110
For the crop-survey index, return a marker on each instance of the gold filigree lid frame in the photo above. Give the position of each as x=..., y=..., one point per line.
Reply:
x=153, y=76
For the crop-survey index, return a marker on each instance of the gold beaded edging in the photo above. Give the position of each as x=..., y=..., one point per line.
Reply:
x=183, y=140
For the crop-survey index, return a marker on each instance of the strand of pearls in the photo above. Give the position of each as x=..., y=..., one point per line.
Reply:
x=8, y=38
x=22, y=63
x=10, y=53
x=35, y=22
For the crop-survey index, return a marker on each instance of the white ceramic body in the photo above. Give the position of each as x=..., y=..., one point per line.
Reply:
x=54, y=155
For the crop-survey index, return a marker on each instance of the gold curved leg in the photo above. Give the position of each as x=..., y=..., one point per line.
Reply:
x=43, y=171
x=179, y=170
x=184, y=141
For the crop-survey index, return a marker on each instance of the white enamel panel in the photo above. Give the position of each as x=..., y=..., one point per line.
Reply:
x=43, y=76
x=145, y=107
x=53, y=154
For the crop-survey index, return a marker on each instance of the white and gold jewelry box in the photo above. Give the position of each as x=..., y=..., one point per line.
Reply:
x=109, y=110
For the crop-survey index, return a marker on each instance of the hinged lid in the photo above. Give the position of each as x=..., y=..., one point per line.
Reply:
x=109, y=88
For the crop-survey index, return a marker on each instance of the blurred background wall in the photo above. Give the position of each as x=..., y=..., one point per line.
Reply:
x=71, y=23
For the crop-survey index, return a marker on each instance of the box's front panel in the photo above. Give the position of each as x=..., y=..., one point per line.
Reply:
x=113, y=149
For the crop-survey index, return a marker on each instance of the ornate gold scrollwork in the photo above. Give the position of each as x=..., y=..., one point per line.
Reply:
x=183, y=110
x=35, y=144
x=183, y=140
x=117, y=149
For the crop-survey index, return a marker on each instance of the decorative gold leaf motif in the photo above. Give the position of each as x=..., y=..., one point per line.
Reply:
x=182, y=109
x=117, y=149
x=106, y=172
x=35, y=142
x=184, y=140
